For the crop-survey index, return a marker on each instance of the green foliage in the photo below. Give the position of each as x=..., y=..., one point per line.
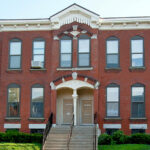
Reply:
x=18, y=137
x=104, y=139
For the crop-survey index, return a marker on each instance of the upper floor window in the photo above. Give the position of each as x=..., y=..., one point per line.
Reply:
x=137, y=50
x=39, y=51
x=13, y=100
x=37, y=101
x=84, y=51
x=112, y=52
x=15, y=54
x=138, y=98
x=66, y=52
x=112, y=100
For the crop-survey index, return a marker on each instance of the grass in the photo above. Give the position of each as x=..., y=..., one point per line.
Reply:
x=20, y=146
x=124, y=147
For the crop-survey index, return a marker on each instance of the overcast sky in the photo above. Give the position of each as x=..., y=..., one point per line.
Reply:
x=19, y=9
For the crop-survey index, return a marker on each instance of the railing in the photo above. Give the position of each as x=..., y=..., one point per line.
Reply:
x=48, y=127
x=70, y=133
x=94, y=132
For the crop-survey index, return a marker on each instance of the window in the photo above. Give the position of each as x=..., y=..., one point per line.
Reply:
x=137, y=48
x=111, y=131
x=83, y=51
x=133, y=131
x=40, y=131
x=112, y=52
x=66, y=52
x=138, y=96
x=15, y=54
x=39, y=50
x=13, y=100
x=37, y=101
x=112, y=100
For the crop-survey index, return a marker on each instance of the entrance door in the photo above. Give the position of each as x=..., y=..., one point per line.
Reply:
x=67, y=111
x=86, y=111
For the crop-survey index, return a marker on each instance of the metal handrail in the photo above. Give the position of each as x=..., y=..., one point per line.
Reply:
x=70, y=133
x=94, y=133
x=48, y=127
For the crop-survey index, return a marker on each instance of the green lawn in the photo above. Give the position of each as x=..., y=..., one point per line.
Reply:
x=124, y=147
x=20, y=146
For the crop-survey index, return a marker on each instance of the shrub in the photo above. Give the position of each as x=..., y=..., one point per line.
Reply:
x=104, y=139
x=118, y=137
x=140, y=138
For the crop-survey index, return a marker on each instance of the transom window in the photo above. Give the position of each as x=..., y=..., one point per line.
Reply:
x=112, y=52
x=37, y=101
x=13, y=100
x=66, y=52
x=112, y=100
x=137, y=50
x=39, y=51
x=84, y=51
x=138, y=105
x=15, y=54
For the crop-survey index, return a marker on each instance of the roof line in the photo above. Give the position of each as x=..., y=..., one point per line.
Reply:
x=126, y=17
x=24, y=19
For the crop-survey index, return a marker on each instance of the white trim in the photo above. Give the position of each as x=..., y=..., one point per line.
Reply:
x=74, y=69
x=12, y=126
x=138, y=126
x=37, y=126
x=112, y=126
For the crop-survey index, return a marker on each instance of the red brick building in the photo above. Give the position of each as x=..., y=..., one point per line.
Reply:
x=75, y=62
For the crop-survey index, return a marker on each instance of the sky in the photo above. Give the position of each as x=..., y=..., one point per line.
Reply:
x=32, y=9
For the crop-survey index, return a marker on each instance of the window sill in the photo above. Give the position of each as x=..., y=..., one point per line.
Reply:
x=43, y=69
x=14, y=70
x=37, y=119
x=137, y=68
x=112, y=118
x=73, y=69
x=138, y=119
x=113, y=69
x=12, y=119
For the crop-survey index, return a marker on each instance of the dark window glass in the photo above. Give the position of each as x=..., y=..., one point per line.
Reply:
x=37, y=131
x=15, y=54
x=84, y=51
x=66, y=52
x=112, y=101
x=134, y=131
x=111, y=131
x=37, y=102
x=137, y=52
x=13, y=102
x=112, y=45
x=138, y=105
x=39, y=51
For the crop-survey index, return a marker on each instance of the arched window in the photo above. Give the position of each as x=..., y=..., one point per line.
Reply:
x=138, y=100
x=15, y=54
x=137, y=51
x=112, y=52
x=13, y=104
x=112, y=100
x=37, y=101
x=84, y=43
x=66, y=51
x=39, y=51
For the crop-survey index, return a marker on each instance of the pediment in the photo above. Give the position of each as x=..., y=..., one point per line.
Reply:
x=74, y=13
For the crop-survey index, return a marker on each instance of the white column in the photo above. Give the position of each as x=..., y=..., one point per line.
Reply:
x=75, y=96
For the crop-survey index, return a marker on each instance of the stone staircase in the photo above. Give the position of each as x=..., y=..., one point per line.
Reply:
x=82, y=138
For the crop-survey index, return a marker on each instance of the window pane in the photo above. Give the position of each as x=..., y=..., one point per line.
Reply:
x=13, y=94
x=15, y=61
x=38, y=51
x=13, y=109
x=112, y=109
x=134, y=131
x=37, y=109
x=112, y=60
x=137, y=60
x=137, y=46
x=138, y=109
x=38, y=58
x=112, y=94
x=65, y=60
x=112, y=46
x=15, y=48
x=84, y=45
x=39, y=44
x=66, y=46
x=137, y=93
x=84, y=60
x=37, y=94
